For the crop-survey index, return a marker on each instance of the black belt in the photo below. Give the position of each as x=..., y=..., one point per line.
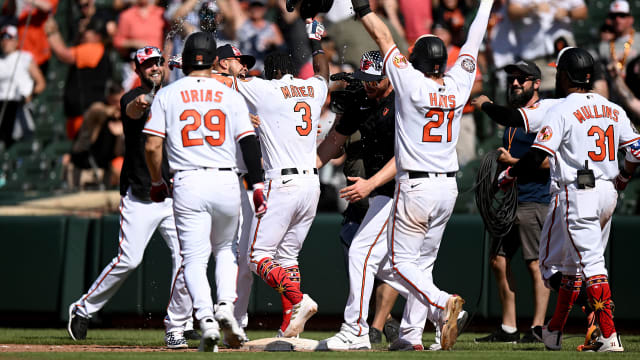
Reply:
x=424, y=174
x=294, y=171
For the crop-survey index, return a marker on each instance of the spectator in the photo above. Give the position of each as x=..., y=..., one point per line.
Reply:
x=256, y=35
x=292, y=27
x=140, y=25
x=87, y=11
x=626, y=43
x=20, y=80
x=389, y=10
x=452, y=13
x=35, y=13
x=90, y=69
x=418, y=18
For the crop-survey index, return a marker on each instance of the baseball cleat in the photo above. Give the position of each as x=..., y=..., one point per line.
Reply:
x=610, y=344
x=77, y=325
x=450, y=328
x=345, y=340
x=499, y=336
x=463, y=319
x=552, y=339
x=191, y=335
x=233, y=333
x=593, y=332
x=375, y=336
x=175, y=340
x=210, y=335
x=391, y=330
x=301, y=312
x=403, y=345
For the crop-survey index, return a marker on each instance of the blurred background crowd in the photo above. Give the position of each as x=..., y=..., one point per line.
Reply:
x=65, y=64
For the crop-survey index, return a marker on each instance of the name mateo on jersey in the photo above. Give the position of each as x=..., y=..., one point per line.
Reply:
x=200, y=95
x=584, y=113
x=442, y=101
x=297, y=91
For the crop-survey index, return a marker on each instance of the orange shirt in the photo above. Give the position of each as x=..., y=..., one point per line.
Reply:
x=87, y=55
x=132, y=25
x=35, y=40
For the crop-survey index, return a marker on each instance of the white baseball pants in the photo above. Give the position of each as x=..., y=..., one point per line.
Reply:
x=138, y=220
x=207, y=207
x=245, y=277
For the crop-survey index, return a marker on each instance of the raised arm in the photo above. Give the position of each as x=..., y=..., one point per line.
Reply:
x=477, y=29
x=315, y=30
x=375, y=27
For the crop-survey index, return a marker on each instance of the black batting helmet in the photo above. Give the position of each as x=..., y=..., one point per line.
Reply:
x=429, y=55
x=199, y=52
x=577, y=63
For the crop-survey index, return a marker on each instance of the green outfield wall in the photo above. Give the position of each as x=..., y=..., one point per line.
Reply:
x=48, y=262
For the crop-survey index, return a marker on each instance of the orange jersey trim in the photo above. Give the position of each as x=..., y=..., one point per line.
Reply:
x=526, y=119
x=155, y=132
x=384, y=63
x=629, y=142
x=246, y=133
x=542, y=147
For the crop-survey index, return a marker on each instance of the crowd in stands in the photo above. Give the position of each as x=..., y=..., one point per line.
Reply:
x=95, y=39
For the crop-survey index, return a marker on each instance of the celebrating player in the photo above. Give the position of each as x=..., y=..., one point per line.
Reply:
x=582, y=134
x=428, y=109
x=202, y=120
x=288, y=108
x=139, y=217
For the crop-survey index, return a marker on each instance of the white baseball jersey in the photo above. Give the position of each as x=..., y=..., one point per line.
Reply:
x=202, y=120
x=427, y=113
x=289, y=109
x=534, y=116
x=584, y=127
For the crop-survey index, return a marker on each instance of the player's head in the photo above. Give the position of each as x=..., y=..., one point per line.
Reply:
x=231, y=61
x=620, y=17
x=523, y=81
x=9, y=36
x=429, y=55
x=199, y=52
x=575, y=68
x=277, y=64
x=149, y=63
x=370, y=73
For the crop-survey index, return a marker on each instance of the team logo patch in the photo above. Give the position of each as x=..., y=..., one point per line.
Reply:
x=385, y=111
x=534, y=106
x=468, y=65
x=400, y=61
x=545, y=134
x=634, y=148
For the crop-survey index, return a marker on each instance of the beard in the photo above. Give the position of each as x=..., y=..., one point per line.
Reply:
x=517, y=100
x=148, y=82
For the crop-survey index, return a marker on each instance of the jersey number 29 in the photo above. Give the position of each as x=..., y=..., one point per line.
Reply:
x=436, y=123
x=216, y=127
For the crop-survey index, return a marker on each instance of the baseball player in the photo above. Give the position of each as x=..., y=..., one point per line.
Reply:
x=201, y=120
x=582, y=134
x=139, y=217
x=289, y=109
x=428, y=109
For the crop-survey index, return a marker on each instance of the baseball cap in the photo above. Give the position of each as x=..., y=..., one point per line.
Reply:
x=620, y=7
x=230, y=51
x=146, y=53
x=9, y=31
x=370, y=67
x=525, y=67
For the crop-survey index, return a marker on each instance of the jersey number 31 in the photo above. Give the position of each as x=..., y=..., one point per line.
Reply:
x=215, y=127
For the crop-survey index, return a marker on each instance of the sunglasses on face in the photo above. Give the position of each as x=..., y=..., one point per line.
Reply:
x=521, y=78
x=618, y=15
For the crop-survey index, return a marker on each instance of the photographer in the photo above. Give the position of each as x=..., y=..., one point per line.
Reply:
x=370, y=110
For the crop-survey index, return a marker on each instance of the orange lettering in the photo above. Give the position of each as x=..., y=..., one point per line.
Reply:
x=452, y=101
x=579, y=116
x=285, y=92
x=185, y=96
x=595, y=111
x=218, y=96
x=615, y=115
x=303, y=91
x=433, y=99
x=209, y=95
x=443, y=101
x=310, y=91
x=194, y=95
x=607, y=111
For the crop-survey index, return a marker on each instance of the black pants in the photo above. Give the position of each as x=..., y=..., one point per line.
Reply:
x=8, y=122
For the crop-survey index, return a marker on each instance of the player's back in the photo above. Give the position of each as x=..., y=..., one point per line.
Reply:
x=203, y=118
x=289, y=109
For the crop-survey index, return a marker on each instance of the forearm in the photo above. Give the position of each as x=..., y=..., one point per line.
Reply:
x=529, y=163
x=134, y=110
x=379, y=32
x=38, y=78
x=578, y=13
x=385, y=174
x=331, y=147
x=477, y=29
x=184, y=10
x=320, y=62
x=503, y=115
x=61, y=51
x=153, y=157
x=629, y=101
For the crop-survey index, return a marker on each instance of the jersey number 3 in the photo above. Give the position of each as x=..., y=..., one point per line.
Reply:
x=306, y=118
x=215, y=127
x=436, y=123
x=600, y=143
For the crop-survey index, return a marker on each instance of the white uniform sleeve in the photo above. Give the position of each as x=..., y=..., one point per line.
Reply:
x=240, y=116
x=401, y=73
x=551, y=135
x=321, y=89
x=477, y=30
x=156, y=123
x=534, y=115
x=252, y=90
x=628, y=135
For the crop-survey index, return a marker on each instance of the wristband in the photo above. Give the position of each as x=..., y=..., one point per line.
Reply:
x=362, y=11
x=153, y=183
x=316, y=45
x=317, y=52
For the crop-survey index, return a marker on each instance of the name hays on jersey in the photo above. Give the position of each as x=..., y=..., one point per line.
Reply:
x=442, y=101
x=585, y=112
x=297, y=91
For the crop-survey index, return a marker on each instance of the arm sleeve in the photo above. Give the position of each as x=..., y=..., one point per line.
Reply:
x=477, y=30
x=251, y=157
x=251, y=90
x=503, y=115
x=529, y=163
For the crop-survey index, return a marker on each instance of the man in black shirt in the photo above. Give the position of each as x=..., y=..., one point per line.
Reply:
x=139, y=217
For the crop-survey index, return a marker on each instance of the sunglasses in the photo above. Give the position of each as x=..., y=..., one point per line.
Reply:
x=618, y=15
x=521, y=78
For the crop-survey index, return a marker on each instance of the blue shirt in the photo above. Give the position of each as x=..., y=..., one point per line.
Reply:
x=532, y=188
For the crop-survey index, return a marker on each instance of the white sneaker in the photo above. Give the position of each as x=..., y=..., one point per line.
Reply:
x=210, y=335
x=233, y=333
x=175, y=340
x=610, y=344
x=552, y=339
x=280, y=334
x=451, y=311
x=463, y=318
x=345, y=340
x=300, y=313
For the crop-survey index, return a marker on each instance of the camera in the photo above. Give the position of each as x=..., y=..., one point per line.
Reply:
x=352, y=97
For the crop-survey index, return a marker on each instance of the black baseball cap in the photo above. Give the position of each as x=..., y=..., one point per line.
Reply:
x=526, y=67
x=230, y=51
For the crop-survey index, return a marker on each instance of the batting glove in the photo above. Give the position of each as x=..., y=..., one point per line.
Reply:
x=159, y=191
x=175, y=62
x=259, y=202
x=505, y=180
x=622, y=180
x=315, y=30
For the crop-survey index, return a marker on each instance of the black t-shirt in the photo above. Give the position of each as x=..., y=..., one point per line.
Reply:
x=135, y=173
x=377, y=129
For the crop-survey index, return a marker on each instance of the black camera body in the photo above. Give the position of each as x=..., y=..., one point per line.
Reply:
x=351, y=98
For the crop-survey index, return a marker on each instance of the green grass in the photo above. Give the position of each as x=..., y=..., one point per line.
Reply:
x=465, y=347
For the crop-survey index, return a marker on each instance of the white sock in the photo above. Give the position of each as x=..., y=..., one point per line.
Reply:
x=509, y=329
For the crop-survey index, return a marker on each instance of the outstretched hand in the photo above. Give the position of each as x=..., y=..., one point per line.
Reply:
x=357, y=191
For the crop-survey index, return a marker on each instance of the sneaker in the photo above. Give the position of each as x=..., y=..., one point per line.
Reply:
x=529, y=337
x=175, y=340
x=78, y=325
x=463, y=319
x=280, y=334
x=500, y=336
x=403, y=345
x=233, y=334
x=210, y=335
x=552, y=339
x=375, y=336
x=301, y=312
x=346, y=340
x=192, y=335
x=391, y=330
x=610, y=344
x=450, y=328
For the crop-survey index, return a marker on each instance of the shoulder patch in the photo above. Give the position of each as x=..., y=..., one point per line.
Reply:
x=534, y=106
x=545, y=134
x=400, y=61
x=468, y=65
